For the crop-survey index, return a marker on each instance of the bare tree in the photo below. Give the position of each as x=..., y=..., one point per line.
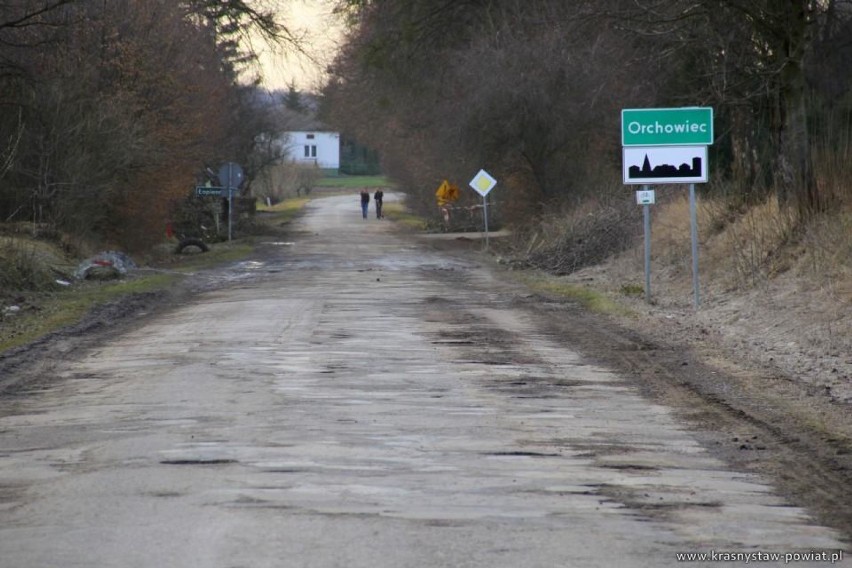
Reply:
x=111, y=108
x=527, y=89
x=752, y=58
x=531, y=88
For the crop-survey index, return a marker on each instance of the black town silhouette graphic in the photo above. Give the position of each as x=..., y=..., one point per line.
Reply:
x=665, y=170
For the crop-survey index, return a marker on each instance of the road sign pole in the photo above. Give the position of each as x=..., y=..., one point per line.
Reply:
x=646, y=214
x=485, y=216
x=230, y=200
x=693, y=221
x=482, y=183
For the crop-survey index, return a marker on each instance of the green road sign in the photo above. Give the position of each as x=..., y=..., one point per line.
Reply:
x=685, y=126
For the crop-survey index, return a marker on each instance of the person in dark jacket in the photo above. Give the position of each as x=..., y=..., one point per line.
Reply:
x=365, y=202
x=379, y=196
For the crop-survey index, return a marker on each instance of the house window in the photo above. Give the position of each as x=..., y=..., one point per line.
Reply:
x=310, y=136
x=310, y=151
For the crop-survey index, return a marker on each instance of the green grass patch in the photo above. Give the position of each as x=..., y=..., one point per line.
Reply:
x=398, y=213
x=67, y=307
x=219, y=253
x=632, y=290
x=590, y=299
x=46, y=310
x=353, y=182
x=287, y=207
x=281, y=213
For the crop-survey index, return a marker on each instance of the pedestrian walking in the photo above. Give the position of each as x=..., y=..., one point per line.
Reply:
x=379, y=196
x=365, y=202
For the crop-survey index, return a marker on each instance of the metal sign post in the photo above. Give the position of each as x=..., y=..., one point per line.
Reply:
x=646, y=198
x=230, y=176
x=482, y=183
x=667, y=146
x=693, y=222
x=485, y=214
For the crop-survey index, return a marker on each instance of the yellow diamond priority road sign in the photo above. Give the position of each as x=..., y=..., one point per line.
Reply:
x=482, y=183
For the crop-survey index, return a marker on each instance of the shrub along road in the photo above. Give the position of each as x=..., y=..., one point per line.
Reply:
x=361, y=398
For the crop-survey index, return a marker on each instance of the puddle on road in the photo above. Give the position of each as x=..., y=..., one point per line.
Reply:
x=249, y=265
x=401, y=261
x=388, y=263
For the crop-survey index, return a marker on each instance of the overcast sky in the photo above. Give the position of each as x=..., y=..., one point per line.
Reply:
x=322, y=31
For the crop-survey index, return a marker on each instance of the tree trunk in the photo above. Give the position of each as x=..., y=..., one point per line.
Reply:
x=794, y=178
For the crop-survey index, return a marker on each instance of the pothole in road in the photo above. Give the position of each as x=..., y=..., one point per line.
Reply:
x=651, y=503
x=587, y=450
x=629, y=467
x=163, y=494
x=533, y=387
x=522, y=454
x=200, y=461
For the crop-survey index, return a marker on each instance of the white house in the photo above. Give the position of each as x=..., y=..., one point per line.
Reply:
x=313, y=147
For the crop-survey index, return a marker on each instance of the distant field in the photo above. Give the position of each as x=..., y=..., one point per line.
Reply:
x=347, y=182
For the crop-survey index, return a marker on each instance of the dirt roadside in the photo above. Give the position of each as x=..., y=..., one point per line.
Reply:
x=757, y=421
x=757, y=418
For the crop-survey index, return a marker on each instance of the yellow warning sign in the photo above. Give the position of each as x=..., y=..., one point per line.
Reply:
x=447, y=193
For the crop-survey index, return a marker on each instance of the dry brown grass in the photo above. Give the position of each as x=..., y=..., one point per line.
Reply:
x=827, y=253
x=755, y=245
x=572, y=238
x=740, y=247
x=744, y=247
x=776, y=290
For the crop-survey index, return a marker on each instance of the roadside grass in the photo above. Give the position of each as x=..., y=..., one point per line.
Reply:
x=281, y=213
x=399, y=213
x=48, y=310
x=590, y=299
x=52, y=311
x=353, y=182
x=28, y=263
x=219, y=253
x=45, y=312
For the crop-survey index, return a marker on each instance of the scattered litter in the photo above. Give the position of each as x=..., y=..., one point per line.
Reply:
x=105, y=265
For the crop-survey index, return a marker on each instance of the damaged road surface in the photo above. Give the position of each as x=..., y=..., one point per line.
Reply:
x=364, y=400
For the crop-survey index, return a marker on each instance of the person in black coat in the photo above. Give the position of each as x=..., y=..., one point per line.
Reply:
x=365, y=202
x=379, y=196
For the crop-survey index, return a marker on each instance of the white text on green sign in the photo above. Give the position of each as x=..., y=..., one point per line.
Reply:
x=210, y=191
x=685, y=126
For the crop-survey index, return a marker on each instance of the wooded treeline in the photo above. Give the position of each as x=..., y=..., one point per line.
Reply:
x=111, y=109
x=532, y=90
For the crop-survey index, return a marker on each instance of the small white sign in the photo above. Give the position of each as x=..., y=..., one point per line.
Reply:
x=482, y=183
x=645, y=197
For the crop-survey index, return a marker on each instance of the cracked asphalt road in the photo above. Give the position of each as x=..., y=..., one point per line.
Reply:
x=361, y=399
